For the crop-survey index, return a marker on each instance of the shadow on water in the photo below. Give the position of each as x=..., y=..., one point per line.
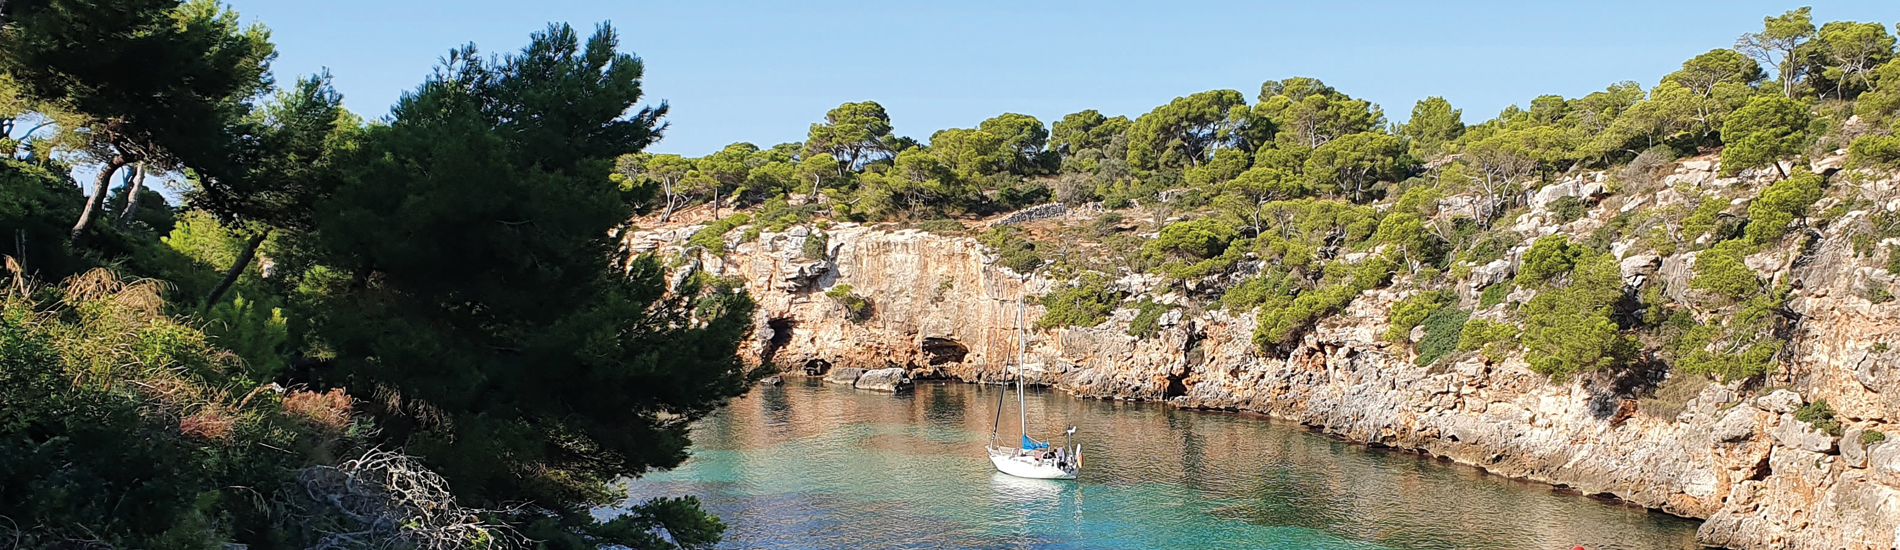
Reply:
x=807, y=465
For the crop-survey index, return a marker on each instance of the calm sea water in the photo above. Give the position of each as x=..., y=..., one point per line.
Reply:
x=813, y=466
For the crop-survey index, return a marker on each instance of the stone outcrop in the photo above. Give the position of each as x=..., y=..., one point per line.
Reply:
x=1734, y=454
x=893, y=380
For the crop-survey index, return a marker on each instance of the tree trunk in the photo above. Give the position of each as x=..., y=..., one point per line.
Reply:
x=132, y=197
x=97, y=200
x=814, y=189
x=237, y=267
x=666, y=216
x=715, y=202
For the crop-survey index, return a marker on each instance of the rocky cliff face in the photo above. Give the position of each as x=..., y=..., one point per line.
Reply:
x=1733, y=454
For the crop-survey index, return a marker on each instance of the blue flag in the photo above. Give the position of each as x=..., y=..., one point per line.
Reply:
x=1032, y=444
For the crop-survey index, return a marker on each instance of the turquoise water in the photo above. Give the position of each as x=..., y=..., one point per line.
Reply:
x=812, y=466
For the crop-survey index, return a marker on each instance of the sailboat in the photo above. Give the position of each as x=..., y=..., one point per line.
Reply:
x=1032, y=459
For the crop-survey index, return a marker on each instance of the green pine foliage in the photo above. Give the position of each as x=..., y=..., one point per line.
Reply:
x=1720, y=270
x=1444, y=330
x=857, y=308
x=1819, y=415
x=1147, y=318
x=712, y=238
x=1085, y=302
x=1412, y=310
x=1572, y=329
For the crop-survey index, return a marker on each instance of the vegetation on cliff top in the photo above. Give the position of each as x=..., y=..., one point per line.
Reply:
x=1291, y=202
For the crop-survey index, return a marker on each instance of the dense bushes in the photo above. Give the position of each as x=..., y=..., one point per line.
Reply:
x=1412, y=310
x=713, y=236
x=1083, y=303
x=1012, y=250
x=1819, y=415
x=1284, y=317
x=1779, y=204
x=1720, y=269
x=1571, y=329
x=1147, y=319
x=1444, y=329
x=127, y=427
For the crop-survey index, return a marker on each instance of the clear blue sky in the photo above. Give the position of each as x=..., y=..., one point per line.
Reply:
x=764, y=71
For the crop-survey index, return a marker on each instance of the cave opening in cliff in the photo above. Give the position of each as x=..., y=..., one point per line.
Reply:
x=781, y=335
x=938, y=351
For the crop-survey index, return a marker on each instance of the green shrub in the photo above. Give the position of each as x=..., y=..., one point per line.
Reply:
x=1571, y=330
x=1443, y=331
x=817, y=246
x=751, y=234
x=1893, y=260
x=1874, y=151
x=1706, y=218
x=1494, y=339
x=126, y=426
x=1187, y=269
x=1284, y=317
x=1494, y=294
x=1820, y=416
x=1198, y=239
x=1569, y=209
x=1254, y=291
x=1084, y=304
x=1871, y=437
x=1735, y=347
x=1879, y=294
x=1547, y=258
x=255, y=332
x=857, y=308
x=1147, y=320
x=1486, y=249
x=1779, y=204
x=1720, y=269
x=713, y=236
x=1012, y=250
x=1412, y=310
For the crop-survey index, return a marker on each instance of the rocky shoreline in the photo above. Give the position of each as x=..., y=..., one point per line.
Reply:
x=1733, y=454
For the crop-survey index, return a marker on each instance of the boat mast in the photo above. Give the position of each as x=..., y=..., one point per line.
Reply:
x=1021, y=346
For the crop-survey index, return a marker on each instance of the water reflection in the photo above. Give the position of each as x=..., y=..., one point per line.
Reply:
x=812, y=466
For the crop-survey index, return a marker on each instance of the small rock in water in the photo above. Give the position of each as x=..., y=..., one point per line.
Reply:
x=844, y=375
x=772, y=381
x=888, y=380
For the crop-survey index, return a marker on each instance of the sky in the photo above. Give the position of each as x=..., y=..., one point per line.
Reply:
x=763, y=72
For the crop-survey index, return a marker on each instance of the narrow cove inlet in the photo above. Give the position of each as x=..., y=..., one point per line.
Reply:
x=807, y=465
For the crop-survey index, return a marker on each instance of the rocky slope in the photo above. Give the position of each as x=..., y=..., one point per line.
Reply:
x=1734, y=454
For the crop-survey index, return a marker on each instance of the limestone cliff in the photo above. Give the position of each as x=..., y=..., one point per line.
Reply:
x=1733, y=454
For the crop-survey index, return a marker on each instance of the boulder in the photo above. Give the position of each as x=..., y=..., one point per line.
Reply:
x=1800, y=435
x=1853, y=453
x=772, y=381
x=1737, y=425
x=1639, y=265
x=844, y=375
x=1781, y=401
x=885, y=380
x=1884, y=460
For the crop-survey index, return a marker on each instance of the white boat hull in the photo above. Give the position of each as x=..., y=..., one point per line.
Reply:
x=1017, y=463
